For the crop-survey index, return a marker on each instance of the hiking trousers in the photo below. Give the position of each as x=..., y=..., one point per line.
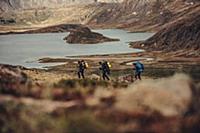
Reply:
x=81, y=74
x=105, y=76
x=138, y=75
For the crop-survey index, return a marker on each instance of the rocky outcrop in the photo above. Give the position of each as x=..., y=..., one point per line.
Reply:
x=182, y=34
x=84, y=35
x=7, y=21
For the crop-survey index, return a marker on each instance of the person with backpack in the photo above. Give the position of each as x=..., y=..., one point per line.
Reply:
x=139, y=68
x=82, y=65
x=104, y=69
x=108, y=66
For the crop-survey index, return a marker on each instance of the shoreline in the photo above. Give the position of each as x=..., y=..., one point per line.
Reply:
x=155, y=66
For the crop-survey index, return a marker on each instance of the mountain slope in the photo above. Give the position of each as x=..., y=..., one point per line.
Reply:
x=181, y=34
x=133, y=15
x=37, y=4
x=141, y=15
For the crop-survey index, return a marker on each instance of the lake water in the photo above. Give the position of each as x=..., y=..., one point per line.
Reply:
x=26, y=49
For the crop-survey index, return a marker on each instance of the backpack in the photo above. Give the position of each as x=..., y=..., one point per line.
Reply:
x=142, y=66
x=109, y=65
x=85, y=64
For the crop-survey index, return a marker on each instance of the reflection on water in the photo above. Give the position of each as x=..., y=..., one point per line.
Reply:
x=26, y=49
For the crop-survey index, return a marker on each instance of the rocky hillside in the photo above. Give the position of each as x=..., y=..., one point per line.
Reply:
x=181, y=34
x=48, y=12
x=6, y=5
x=37, y=4
x=141, y=15
x=133, y=15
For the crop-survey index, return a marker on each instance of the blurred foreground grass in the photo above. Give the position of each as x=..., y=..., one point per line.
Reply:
x=18, y=118
x=96, y=106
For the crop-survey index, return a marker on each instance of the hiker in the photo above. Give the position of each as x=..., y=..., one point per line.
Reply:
x=108, y=66
x=104, y=69
x=82, y=65
x=139, y=68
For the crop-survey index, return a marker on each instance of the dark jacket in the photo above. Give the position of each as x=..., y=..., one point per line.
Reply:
x=103, y=67
x=81, y=66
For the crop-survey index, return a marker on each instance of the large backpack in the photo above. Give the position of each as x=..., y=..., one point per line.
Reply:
x=109, y=65
x=140, y=67
x=85, y=64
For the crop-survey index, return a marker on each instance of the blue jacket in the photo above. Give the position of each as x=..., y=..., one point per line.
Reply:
x=139, y=67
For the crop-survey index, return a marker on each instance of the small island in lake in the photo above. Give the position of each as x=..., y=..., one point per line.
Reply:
x=83, y=35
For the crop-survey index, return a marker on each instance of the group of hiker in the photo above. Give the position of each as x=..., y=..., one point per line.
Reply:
x=104, y=68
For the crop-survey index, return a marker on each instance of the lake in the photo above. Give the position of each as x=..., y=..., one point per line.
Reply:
x=26, y=49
